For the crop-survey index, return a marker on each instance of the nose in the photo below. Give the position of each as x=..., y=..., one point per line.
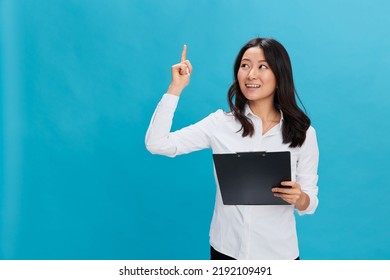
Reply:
x=252, y=75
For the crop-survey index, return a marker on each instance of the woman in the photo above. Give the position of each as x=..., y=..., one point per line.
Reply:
x=264, y=117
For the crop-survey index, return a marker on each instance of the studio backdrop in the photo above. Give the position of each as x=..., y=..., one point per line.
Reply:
x=79, y=82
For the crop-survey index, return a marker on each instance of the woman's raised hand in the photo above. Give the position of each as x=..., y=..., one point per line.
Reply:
x=181, y=73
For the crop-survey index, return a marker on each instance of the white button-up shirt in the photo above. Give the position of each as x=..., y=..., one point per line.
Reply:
x=241, y=231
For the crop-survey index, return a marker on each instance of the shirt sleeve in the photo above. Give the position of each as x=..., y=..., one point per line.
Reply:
x=160, y=140
x=307, y=170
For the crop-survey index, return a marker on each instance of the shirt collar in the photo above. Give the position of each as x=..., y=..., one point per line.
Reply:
x=248, y=111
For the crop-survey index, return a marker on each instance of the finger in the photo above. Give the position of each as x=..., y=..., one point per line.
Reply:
x=291, y=184
x=184, y=71
x=286, y=197
x=180, y=68
x=189, y=66
x=291, y=197
x=288, y=189
x=283, y=191
x=186, y=68
x=184, y=54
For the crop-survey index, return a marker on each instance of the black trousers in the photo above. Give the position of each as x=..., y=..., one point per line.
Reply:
x=215, y=255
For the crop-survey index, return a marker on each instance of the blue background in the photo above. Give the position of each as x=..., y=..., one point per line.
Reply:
x=80, y=80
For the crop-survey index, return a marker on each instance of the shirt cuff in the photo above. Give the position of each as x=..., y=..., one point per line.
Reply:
x=311, y=208
x=169, y=101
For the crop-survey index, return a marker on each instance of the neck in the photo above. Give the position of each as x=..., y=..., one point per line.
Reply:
x=266, y=112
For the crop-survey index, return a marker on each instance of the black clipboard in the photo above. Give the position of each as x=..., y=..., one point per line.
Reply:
x=247, y=178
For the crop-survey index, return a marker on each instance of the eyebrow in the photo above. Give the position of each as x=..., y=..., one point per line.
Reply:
x=247, y=59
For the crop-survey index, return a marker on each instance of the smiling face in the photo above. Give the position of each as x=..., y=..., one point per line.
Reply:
x=255, y=78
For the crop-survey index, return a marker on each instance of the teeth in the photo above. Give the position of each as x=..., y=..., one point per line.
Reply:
x=252, y=86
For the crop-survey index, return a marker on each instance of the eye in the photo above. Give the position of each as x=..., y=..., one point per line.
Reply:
x=244, y=65
x=262, y=66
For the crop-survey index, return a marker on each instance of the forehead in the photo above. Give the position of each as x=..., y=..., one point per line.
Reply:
x=254, y=53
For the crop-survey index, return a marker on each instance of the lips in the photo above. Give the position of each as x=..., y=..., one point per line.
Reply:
x=252, y=86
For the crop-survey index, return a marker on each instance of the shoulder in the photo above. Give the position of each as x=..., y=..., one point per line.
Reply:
x=220, y=116
x=311, y=138
x=311, y=131
x=215, y=120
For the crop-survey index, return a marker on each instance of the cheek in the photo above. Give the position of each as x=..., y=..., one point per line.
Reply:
x=241, y=78
x=240, y=75
x=270, y=79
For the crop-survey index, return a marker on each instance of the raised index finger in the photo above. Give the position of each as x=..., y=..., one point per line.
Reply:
x=184, y=54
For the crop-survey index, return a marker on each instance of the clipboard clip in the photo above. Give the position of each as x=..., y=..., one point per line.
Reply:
x=252, y=154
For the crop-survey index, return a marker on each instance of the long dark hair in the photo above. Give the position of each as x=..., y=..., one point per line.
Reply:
x=296, y=122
